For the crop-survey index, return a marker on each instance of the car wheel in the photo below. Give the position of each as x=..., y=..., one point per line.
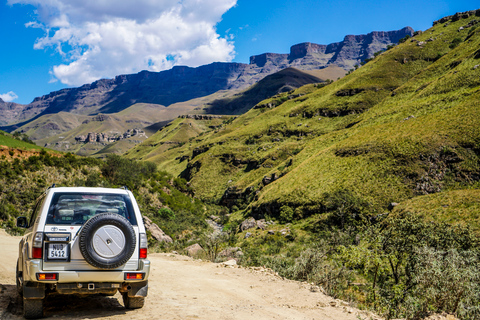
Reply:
x=107, y=241
x=32, y=308
x=133, y=302
x=19, y=281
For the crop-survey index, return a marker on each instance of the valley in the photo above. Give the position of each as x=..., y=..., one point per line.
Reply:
x=54, y=119
x=361, y=178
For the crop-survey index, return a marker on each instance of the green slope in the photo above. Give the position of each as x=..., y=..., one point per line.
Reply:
x=403, y=125
x=7, y=140
x=282, y=81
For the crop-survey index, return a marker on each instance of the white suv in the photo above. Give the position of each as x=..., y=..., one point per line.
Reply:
x=83, y=241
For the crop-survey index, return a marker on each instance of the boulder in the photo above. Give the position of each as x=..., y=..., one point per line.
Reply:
x=248, y=224
x=392, y=205
x=156, y=232
x=193, y=250
x=261, y=224
x=231, y=252
x=230, y=263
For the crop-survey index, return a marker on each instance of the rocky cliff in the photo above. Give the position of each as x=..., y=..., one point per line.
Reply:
x=183, y=83
x=10, y=112
x=345, y=54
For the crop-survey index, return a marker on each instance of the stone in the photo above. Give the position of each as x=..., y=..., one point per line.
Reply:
x=248, y=235
x=248, y=224
x=193, y=250
x=271, y=232
x=231, y=262
x=156, y=232
x=392, y=205
x=231, y=252
x=261, y=224
x=266, y=180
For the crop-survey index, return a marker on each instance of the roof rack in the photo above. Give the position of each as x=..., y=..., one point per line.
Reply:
x=124, y=188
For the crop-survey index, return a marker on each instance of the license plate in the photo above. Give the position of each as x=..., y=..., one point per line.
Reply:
x=57, y=251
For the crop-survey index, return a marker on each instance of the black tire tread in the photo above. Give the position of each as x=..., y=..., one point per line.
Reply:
x=18, y=282
x=32, y=308
x=133, y=302
x=95, y=223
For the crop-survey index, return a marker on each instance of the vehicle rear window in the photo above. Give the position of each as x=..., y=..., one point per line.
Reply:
x=77, y=208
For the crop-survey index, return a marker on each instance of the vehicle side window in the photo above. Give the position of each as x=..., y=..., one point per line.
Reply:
x=36, y=211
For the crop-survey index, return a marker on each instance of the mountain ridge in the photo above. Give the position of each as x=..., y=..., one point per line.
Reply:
x=182, y=83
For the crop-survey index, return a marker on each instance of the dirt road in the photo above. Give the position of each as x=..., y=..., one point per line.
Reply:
x=182, y=288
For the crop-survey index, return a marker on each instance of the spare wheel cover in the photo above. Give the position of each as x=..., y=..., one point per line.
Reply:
x=107, y=241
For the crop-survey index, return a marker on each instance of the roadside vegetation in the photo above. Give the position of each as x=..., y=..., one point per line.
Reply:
x=166, y=200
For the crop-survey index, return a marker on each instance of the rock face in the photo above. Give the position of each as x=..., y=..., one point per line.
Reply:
x=156, y=232
x=346, y=54
x=183, y=83
x=10, y=111
x=104, y=138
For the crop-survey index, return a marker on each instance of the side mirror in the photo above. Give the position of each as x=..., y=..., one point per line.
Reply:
x=22, y=222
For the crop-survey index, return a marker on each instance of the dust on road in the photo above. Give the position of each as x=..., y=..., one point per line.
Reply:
x=183, y=288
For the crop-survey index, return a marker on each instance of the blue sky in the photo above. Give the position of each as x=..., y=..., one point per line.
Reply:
x=48, y=45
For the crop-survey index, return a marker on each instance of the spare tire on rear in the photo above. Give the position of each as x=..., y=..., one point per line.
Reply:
x=107, y=241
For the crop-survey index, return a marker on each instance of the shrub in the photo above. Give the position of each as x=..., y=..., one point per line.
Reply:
x=166, y=214
x=404, y=39
x=286, y=214
x=455, y=43
x=446, y=281
x=346, y=208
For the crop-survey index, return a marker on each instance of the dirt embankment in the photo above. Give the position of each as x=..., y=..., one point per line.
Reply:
x=183, y=288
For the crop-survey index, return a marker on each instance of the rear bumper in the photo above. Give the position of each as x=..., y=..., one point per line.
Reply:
x=32, y=267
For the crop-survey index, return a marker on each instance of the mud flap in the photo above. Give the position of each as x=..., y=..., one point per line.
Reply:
x=139, y=289
x=32, y=290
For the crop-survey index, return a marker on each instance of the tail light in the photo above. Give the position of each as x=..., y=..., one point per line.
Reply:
x=47, y=276
x=134, y=276
x=37, y=246
x=143, y=246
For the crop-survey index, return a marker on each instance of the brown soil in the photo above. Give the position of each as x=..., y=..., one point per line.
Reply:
x=183, y=288
x=17, y=153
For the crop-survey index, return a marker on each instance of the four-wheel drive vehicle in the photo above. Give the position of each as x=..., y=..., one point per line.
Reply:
x=83, y=241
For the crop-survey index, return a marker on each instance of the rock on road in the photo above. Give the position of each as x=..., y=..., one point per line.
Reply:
x=183, y=288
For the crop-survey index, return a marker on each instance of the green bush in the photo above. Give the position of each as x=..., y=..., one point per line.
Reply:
x=286, y=214
x=455, y=43
x=166, y=214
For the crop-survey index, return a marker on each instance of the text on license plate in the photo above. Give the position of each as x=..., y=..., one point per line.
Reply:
x=57, y=251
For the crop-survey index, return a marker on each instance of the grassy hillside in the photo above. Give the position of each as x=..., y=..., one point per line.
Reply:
x=370, y=184
x=163, y=147
x=404, y=124
x=282, y=81
x=17, y=141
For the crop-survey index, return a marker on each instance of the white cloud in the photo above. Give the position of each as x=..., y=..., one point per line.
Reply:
x=9, y=96
x=105, y=38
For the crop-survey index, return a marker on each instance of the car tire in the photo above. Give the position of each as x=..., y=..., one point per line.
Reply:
x=133, y=302
x=107, y=241
x=32, y=308
x=19, y=282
